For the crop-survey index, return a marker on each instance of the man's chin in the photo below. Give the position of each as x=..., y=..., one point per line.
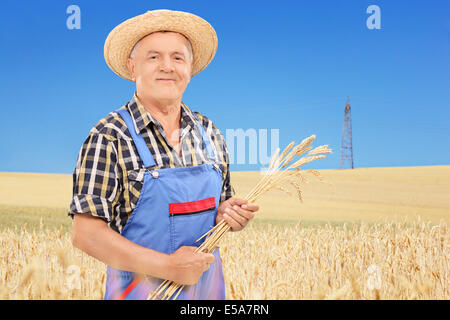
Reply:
x=164, y=98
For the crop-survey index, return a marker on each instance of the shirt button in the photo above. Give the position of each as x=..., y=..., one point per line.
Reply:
x=155, y=174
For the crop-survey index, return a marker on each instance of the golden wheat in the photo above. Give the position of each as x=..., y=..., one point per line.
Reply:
x=392, y=260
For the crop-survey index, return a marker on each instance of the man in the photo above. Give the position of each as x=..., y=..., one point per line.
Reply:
x=153, y=176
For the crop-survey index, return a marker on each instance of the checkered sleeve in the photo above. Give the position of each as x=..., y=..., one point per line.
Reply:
x=219, y=140
x=95, y=178
x=227, y=188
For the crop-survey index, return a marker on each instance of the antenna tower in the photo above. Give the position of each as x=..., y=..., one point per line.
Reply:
x=346, y=146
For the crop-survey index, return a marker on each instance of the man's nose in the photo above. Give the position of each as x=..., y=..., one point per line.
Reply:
x=166, y=64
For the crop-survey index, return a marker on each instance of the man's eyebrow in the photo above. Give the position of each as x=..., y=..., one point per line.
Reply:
x=154, y=51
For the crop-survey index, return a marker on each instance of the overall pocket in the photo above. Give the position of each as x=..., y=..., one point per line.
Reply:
x=190, y=220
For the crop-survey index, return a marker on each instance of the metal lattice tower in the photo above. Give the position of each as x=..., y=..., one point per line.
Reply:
x=346, y=146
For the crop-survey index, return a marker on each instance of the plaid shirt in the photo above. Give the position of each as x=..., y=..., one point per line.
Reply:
x=109, y=174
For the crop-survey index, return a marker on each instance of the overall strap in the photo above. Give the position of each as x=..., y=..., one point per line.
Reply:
x=141, y=146
x=205, y=138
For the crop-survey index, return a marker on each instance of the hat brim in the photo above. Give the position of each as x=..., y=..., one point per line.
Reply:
x=122, y=38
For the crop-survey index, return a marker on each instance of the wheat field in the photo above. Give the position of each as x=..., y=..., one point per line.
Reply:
x=356, y=261
x=378, y=233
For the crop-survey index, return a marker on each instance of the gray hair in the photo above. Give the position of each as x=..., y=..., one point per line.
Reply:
x=189, y=46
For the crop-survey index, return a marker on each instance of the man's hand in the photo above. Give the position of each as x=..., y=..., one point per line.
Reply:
x=236, y=212
x=187, y=266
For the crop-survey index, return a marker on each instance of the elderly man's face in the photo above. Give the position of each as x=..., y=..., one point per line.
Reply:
x=158, y=56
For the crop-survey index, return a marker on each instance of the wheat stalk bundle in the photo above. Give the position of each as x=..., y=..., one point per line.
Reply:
x=284, y=168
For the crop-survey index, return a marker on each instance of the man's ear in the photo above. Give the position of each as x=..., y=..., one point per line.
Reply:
x=130, y=65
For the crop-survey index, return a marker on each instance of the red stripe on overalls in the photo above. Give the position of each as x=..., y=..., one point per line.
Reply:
x=127, y=291
x=191, y=207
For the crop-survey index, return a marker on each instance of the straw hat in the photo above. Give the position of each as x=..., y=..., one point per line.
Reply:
x=121, y=39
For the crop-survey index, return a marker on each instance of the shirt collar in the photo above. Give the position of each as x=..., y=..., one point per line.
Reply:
x=142, y=118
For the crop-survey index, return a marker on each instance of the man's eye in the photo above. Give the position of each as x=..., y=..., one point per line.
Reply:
x=178, y=58
x=152, y=57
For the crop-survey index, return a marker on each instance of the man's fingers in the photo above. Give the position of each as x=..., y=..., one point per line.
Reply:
x=240, y=212
x=251, y=206
x=209, y=258
x=247, y=214
x=240, y=218
x=239, y=201
x=231, y=221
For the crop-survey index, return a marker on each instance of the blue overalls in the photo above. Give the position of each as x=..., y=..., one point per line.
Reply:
x=175, y=208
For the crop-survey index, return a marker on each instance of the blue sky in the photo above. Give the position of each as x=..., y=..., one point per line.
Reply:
x=286, y=65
